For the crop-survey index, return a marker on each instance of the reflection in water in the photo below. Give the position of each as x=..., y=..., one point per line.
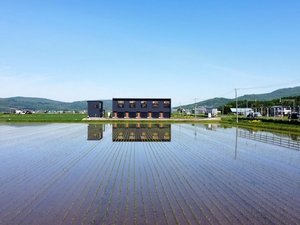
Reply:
x=270, y=138
x=287, y=140
x=51, y=175
x=212, y=126
x=236, y=142
x=208, y=126
x=95, y=132
x=295, y=137
x=141, y=132
x=283, y=139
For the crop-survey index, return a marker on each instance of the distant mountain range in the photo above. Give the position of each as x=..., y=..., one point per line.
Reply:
x=43, y=104
x=216, y=102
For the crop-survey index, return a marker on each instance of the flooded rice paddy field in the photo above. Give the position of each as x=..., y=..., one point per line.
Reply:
x=147, y=174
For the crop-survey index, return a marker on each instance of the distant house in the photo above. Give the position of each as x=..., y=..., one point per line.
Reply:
x=207, y=110
x=200, y=110
x=17, y=111
x=242, y=111
x=280, y=110
x=141, y=107
x=95, y=108
x=212, y=111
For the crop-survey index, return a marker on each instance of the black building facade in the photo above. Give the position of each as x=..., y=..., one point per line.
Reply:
x=141, y=108
x=95, y=108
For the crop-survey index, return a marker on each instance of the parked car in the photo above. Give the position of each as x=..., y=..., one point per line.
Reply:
x=257, y=114
x=294, y=116
x=254, y=115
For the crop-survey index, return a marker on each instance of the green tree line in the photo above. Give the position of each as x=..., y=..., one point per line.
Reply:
x=260, y=105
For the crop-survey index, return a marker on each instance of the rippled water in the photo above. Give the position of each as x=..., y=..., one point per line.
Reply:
x=147, y=174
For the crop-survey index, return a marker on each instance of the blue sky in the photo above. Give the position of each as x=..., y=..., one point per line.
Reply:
x=78, y=50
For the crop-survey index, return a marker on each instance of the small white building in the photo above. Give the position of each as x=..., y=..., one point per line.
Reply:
x=17, y=111
x=212, y=111
x=242, y=111
x=207, y=111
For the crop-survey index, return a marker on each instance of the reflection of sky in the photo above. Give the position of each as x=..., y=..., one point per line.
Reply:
x=289, y=140
x=51, y=175
x=227, y=143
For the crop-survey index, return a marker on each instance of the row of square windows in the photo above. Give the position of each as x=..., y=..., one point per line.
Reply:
x=132, y=104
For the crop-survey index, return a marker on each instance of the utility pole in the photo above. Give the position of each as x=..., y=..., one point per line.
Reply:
x=236, y=106
x=195, y=107
x=180, y=111
x=294, y=102
x=236, y=142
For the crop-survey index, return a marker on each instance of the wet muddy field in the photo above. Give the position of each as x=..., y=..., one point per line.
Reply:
x=147, y=174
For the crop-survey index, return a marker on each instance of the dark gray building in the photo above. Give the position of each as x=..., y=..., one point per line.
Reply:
x=95, y=132
x=141, y=107
x=95, y=108
x=279, y=110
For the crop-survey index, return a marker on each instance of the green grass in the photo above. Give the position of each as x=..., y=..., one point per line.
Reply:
x=263, y=123
x=62, y=118
x=54, y=118
x=183, y=116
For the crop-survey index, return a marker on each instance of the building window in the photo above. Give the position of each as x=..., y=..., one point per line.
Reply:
x=131, y=104
x=143, y=104
x=155, y=104
x=166, y=104
x=120, y=104
x=96, y=106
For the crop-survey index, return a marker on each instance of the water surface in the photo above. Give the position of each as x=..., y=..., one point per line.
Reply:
x=147, y=174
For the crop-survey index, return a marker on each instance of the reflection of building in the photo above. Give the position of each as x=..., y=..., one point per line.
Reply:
x=141, y=132
x=212, y=126
x=95, y=132
x=95, y=108
x=273, y=139
x=141, y=108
